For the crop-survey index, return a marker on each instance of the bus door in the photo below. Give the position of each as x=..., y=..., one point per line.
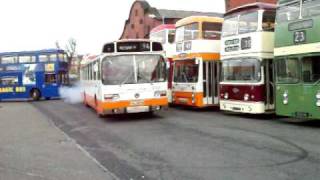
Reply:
x=210, y=82
x=50, y=85
x=269, y=82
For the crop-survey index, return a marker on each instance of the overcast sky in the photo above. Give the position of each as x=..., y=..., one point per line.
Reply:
x=37, y=24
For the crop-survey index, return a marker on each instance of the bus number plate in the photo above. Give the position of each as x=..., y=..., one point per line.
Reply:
x=138, y=109
x=137, y=103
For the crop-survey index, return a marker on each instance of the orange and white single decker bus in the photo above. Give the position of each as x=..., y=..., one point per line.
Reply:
x=196, y=63
x=128, y=77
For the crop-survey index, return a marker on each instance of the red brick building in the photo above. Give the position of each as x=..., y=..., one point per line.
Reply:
x=143, y=18
x=231, y=4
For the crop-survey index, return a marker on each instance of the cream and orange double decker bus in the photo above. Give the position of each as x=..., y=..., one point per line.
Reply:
x=129, y=77
x=196, y=63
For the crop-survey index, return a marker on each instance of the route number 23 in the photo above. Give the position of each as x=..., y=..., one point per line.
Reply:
x=300, y=37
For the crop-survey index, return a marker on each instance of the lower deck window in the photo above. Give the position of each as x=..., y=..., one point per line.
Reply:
x=9, y=80
x=287, y=70
x=311, y=69
x=50, y=78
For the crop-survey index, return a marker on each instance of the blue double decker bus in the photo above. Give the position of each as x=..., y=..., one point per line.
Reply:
x=32, y=74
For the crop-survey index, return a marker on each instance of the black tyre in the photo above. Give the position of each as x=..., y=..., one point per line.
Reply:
x=35, y=95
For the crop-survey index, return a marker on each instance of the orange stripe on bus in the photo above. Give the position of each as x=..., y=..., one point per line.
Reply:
x=185, y=98
x=100, y=106
x=204, y=56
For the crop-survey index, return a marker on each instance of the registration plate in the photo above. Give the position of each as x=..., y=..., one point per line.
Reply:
x=183, y=100
x=137, y=103
x=138, y=109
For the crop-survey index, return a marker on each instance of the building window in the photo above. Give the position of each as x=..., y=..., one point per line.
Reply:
x=141, y=21
x=136, y=12
x=132, y=26
x=137, y=35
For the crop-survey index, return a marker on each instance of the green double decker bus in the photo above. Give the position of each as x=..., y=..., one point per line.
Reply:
x=297, y=57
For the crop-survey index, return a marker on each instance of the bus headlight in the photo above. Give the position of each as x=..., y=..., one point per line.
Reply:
x=246, y=97
x=285, y=98
x=226, y=96
x=111, y=97
x=160, y=93
x=193, y=96
x=318, y=98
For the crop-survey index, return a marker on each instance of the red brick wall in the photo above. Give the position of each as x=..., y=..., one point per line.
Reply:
x=231, y=4
x=140, y=24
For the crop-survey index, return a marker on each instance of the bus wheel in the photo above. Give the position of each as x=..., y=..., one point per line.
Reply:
x=35, y=94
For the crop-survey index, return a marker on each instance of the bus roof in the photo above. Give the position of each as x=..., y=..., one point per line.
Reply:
x=256, y=5
x=192, y=19
x=162, y=27
x=44, y=51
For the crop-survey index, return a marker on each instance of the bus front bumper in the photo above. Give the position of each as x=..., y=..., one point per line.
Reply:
x=135, y=109
x=134, y=106
x=243, y=107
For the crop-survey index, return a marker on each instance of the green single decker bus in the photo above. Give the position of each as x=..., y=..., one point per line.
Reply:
x=297, y=56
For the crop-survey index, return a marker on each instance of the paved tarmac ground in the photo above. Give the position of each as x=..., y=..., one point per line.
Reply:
x=186, y=144
x=32, y=148
x=178, y=144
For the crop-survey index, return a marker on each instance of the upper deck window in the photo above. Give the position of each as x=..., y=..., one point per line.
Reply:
x=62, y=57
x=248, y=22
x=187, y=32
x=191, y=31
x=310, y=8
x=179, y=34
x=211, y=30
x=9, y=60
x=27, y=59
x=288, y=13
x=230, y=26
x=268, y=21
x=43, y=58
x=53, y=57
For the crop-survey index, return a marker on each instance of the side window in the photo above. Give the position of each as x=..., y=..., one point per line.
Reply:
x=9, y=81
x=53, y=57
x=90, y=72
x=95, y=70
x=99, y=71
x=62, y=58
x=311, y=69
x=288, y=70
x=211, y=30
x=63, y=78
x=248, y=23
x=191, y=31
x=9, y=60
x=27, y=59
x=171, y=36
x=43, y=58
x=268, y=21
x=50, y=78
